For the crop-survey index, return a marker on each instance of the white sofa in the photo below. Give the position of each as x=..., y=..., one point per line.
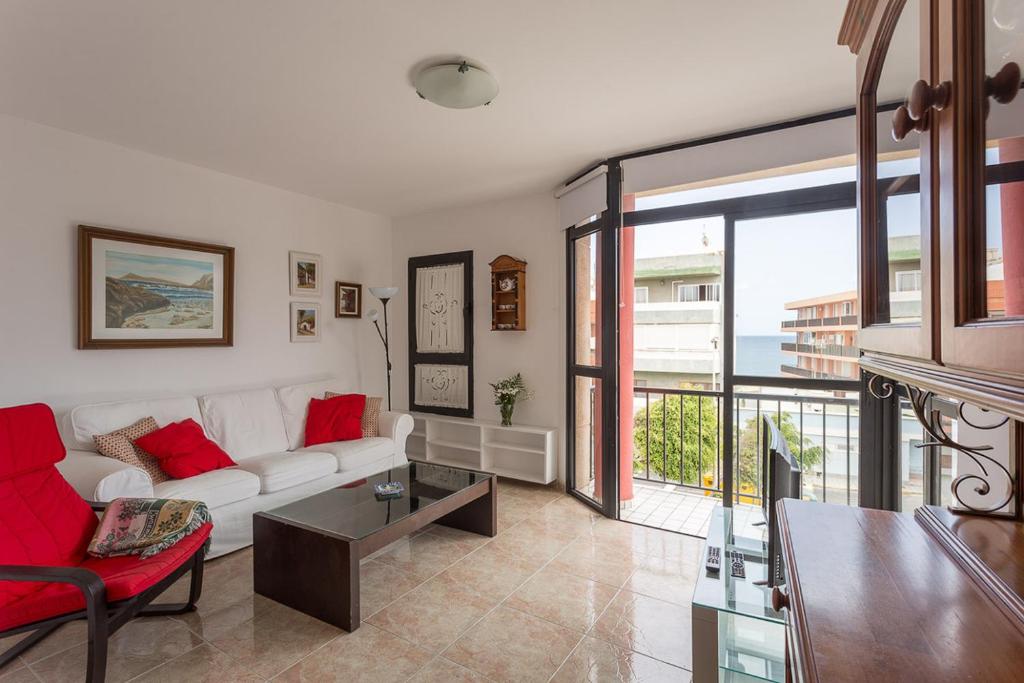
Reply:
x=261, y=429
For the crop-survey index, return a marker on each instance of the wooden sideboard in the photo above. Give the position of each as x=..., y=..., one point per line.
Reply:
x=874, y=595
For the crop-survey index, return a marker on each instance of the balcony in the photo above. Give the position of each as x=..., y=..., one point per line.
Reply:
x=833, y=350
x=678, y=451
x=678, y=313
x=678, y=361
x=834, y=322
x=794, y=371
x=676, y=337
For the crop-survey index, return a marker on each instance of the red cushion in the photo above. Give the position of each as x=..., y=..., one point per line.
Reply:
x=28, y=440
x=124, y=577
x=43, y=521
x=182, y=450
x=338, y=418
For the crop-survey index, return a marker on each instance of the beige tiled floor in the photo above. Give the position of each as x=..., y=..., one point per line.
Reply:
x=560, y=594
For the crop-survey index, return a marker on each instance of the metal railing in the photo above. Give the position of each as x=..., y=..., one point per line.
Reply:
x=677, y=439
x=823, y=349
x=821, y=322
x=796, y=371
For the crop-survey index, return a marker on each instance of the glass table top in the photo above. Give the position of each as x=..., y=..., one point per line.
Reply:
x=723, y=592
x=353, y=510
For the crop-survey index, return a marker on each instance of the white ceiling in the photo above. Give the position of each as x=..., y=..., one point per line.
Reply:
x=315, y=95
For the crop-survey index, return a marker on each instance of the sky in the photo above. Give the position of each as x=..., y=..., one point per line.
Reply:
x=185, y=271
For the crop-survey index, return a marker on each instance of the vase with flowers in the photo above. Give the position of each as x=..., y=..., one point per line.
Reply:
x=508, y=392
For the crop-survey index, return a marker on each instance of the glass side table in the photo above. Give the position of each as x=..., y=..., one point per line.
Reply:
x=737, y=636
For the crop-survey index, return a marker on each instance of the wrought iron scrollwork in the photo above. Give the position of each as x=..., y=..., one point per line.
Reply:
x=887, y=388
x=882, y=388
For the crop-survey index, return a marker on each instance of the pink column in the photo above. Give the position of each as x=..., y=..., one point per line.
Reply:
x=1011, y=203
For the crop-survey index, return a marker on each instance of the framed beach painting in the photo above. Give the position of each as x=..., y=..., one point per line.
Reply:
x=305, y=321
x=348, y=300
x=303, y=274
x=144, y=291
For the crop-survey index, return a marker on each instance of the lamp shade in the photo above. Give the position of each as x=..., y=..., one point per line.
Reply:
x=456, y=86
x=373, y=316
x=383, y=292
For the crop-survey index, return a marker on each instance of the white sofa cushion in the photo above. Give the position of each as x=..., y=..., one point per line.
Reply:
x=245, y=423
x=356, y=453
x=216, y=488
x=279, y=471
x=84, y=422
x=294, y=401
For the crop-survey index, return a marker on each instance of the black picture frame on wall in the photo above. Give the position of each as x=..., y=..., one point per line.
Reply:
x=459, y=363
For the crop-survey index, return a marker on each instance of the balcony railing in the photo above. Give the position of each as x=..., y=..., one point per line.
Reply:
x=794, y=371
x=823, y=349
x=831, y=321
x=677, y=439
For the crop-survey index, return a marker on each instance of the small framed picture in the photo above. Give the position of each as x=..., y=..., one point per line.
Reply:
x=348, y=300
x=303, y=274
x=305, y=320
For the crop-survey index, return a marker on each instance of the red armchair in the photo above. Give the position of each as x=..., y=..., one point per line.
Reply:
x=46, y=577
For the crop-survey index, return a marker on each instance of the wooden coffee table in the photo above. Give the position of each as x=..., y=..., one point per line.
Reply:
x=306, y=554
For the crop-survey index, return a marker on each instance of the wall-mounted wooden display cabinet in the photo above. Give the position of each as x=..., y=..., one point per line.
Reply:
x=508, y=294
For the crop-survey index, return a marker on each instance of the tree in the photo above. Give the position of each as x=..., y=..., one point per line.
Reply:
x=750, y=447
x=699, y=438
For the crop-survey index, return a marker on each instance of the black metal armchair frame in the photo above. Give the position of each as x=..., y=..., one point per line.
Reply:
x=104, y=619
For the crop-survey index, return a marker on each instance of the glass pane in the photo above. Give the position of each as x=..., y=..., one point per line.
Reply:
x=677, y=321
x=587, y=444
x=1004, y=154
x=913, y=470
x=354, y=511
x=587, y=251
x=898, y=168
x=804, y=325
x=821, y=431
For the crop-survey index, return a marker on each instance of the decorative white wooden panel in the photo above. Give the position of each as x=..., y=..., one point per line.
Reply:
x=442, y=386
x=439, y=309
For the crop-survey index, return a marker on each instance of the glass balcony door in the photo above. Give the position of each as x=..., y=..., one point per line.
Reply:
x=590, y=266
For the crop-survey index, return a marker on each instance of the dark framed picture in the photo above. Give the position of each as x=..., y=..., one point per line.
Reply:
x=348, y=300
x=144, y=291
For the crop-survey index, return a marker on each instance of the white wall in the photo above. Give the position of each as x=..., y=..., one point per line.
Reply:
x=525, y=227
x=51, y=180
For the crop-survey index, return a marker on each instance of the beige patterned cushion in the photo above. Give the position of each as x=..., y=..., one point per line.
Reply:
x=118, y=445
x=371, y=414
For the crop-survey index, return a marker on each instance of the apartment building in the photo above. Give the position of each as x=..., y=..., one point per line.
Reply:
x=677, y=323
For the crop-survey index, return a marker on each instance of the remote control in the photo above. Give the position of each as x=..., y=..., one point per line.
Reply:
x=714, y=561
x=738, y=569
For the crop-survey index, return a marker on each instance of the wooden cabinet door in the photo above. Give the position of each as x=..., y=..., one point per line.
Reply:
x=982, y=186
x=895, y=197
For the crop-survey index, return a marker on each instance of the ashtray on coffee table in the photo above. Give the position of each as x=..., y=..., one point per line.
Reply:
x=306, y=554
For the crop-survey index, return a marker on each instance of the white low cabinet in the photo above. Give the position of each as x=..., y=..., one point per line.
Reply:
x=518, y=452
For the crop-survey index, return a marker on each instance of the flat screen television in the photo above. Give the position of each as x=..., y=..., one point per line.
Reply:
x=781, y=480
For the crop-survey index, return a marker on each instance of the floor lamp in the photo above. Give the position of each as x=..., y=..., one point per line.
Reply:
x=385, y=294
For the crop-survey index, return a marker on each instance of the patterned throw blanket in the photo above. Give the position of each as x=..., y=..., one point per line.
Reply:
x=145, y=526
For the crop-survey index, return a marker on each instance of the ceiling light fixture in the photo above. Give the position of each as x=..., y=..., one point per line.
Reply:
x=456, y=86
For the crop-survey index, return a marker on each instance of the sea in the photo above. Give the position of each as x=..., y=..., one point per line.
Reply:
x=183, y=296
x=761, y=354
